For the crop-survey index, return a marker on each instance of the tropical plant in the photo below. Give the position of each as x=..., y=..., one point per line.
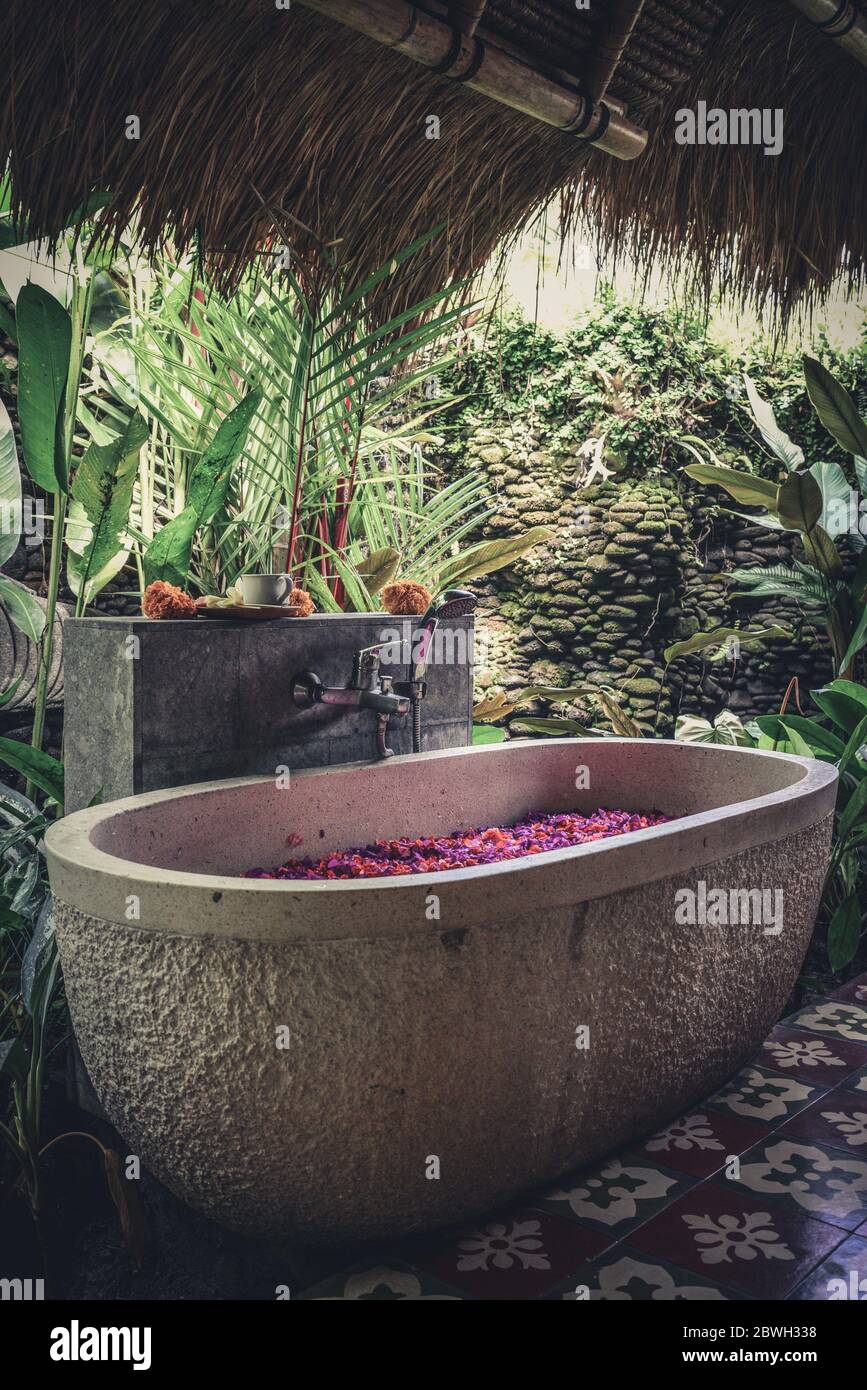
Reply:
x=21, y=605
x=29, y=1013
x=841, y=739
x=726, y=729
x=499, y=709
x=723, y=642
x=329, y=381
x=838, y=736
x=53, y=296
x=815, y=502
x=33, y=1016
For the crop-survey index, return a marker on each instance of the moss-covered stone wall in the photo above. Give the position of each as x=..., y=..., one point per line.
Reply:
x=633, y=566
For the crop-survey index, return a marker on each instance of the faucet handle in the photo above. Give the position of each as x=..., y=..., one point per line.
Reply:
x=365, y=668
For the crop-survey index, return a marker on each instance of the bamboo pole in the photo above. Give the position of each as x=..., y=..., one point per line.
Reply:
x=465, y=15
x=486, y=69
x=611, y=47
x=841, y=20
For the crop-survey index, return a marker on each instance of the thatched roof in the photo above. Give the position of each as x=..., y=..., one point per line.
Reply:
x=244, y=106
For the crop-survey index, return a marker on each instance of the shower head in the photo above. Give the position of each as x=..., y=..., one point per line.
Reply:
x=451, y=603
x=454, y=603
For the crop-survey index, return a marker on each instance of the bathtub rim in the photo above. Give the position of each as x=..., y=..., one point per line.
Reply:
x=180, y=902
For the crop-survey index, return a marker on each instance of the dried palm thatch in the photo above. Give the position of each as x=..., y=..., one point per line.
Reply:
x=774, y=231
x=244, y=108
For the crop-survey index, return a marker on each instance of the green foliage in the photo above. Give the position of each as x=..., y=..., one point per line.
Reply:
x=495, y=709
x=648, y=376
x=38, y=767
x=44, y=345
x=837, y=735
x=168, y=555
x=726, y=729
x=102, y=496
x=815, y=503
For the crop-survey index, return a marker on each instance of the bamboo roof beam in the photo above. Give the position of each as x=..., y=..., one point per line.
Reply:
x=842, y=20
x=611, y=47
x=466, y=14
x=484, y=68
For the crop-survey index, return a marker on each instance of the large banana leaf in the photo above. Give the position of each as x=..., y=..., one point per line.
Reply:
x=822, y=742
x=844, y=703
x=10, y=489
x=745, y=488
x=168, y=555
x=22, y=607
x=776, y=439
x=103, y=488
x=837, y=502
x=799, y=502
x=835, y=408
x=44, y=344
x=491, y=555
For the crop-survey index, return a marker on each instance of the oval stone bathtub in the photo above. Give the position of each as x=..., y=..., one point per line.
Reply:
x=301, y=1058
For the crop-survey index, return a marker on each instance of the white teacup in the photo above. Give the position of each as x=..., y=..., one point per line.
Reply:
x=265, y=588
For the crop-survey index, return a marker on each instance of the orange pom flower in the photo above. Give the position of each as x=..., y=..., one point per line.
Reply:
x=405, y=598
x=299, y=598
x=163, y=600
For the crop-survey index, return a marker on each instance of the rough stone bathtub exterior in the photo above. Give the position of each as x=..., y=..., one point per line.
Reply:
x=302, y=1059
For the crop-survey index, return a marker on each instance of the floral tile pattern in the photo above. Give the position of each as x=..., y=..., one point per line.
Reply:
x=840, y=1120
x=856, y=991
x=668, y=1221
x=388, y=1282
x=842, y=1277
x=757, y=1247
x=810, y=1177
x=701, y=1143
x=517, y=1256
x=766, y=1096
x=615, y=1196
x=857, y=1082
x=821, y=1061
x=841, y=1018
x=625, y=1275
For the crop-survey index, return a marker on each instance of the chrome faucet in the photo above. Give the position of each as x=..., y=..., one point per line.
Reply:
x=368, y=690
x=452, y=603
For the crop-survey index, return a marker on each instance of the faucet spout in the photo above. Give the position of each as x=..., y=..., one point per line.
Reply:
x=369, y=690
x=382, y=702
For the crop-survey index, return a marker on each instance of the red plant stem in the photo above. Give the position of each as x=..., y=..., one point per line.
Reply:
x=299, y=461
x=322, y=528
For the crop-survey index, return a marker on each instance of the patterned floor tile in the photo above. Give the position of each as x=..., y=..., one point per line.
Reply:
x=616, y=1195
x=838, y=1119
x=765, y=1096
x=837, y=1018
x=856, y=991
x=841, y=1277
x=701, y=1142
x=821, y=1061
x=386, y=1281
x=519, y=1255
x=625, y=1275
x=716, y=1230
x=808, y=1177
x=857, y=1082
